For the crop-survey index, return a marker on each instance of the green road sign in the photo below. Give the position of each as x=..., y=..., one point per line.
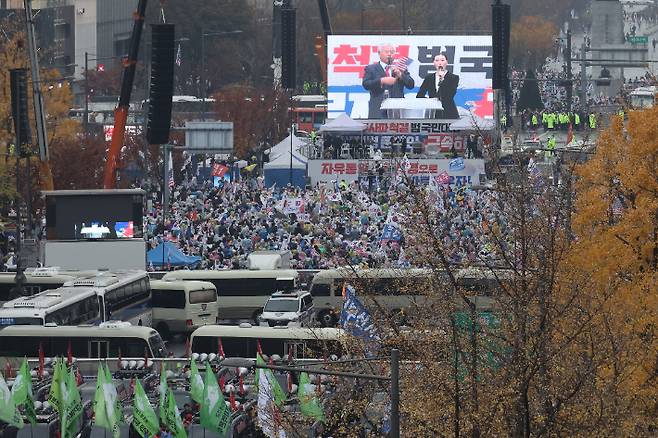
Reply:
x=638, y=39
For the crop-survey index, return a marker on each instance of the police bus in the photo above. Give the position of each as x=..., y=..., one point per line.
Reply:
x=36, y=280
x=104, y=341
x=90, y=299
x=395, y=289
x=242, y=340
x=242, y=293
x=183, y=306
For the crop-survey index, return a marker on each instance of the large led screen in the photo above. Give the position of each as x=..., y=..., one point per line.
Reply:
x=364, y=70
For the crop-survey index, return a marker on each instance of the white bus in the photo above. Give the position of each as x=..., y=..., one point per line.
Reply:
x=242, y=340
x=90, y=299
x=182, y=306
x=242, y=293
x=122, y=295
x=393, y=289
x=643, y=97
x=36, y=280
x=104, y=341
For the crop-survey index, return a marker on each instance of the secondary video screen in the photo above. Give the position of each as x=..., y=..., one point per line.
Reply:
x=445, y=77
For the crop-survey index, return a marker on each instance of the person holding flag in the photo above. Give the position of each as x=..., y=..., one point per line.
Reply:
x=22, y=393
x=145, y=421
x=71, y=405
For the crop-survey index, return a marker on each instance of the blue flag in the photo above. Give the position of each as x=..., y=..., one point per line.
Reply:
x=391, y=232
x=356, y=320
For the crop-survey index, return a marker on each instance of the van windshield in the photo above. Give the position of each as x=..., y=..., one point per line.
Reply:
x=203, y=296
x=291, y=305
x=157, y=345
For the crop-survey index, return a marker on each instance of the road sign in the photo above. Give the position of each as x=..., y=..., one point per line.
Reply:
x=638, y=39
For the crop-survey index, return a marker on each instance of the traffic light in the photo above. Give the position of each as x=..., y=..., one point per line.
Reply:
x=162, y=83
x=500, y=32
x=18, y=80
x=288, y=48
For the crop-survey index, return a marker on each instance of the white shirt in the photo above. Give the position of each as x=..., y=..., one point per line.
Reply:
x=384, y=65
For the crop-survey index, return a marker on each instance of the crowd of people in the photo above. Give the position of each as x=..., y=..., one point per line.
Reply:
x=322, y=227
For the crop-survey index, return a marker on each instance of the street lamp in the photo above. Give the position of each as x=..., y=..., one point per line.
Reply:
x=394, y=378
x=203, y=61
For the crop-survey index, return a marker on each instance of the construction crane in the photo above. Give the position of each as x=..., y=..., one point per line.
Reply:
x=39, y=111
x=121, y=111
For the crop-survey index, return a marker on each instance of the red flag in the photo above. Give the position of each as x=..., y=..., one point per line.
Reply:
x=42, y=360
x=8, y=370
x=187, y=347
x=318, y=377
x=78, y=378
x=234, y=406
x=569, y=134
x=241, y=386
x=220, y=348
x=258, y=347
x=69, y=354
x=289, y=381
x=221, y=382
x=119, y=360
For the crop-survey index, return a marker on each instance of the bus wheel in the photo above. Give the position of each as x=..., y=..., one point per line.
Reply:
x=163, y=329
x=327, y=319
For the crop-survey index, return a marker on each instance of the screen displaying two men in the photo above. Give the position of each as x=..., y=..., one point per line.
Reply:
x=376, y=77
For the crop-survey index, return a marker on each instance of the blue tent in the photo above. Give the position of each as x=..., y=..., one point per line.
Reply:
x=167, y=254
x=278, y=171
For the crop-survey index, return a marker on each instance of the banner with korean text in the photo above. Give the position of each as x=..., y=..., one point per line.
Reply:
x=468, y=56
x=461, y=171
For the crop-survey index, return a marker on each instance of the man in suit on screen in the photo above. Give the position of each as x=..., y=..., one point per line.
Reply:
x=442, y=85
x=384, y=76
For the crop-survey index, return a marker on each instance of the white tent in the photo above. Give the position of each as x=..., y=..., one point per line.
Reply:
x=343, y=123
x=283, y=147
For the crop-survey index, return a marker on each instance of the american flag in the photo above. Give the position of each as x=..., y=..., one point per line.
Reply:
x=178, y=56
x=171, y=181
x=402, y=63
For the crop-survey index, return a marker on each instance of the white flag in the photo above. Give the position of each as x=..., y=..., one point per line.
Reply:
x=267, y=412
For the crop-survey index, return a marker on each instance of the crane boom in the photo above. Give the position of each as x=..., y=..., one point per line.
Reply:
x=121, y=111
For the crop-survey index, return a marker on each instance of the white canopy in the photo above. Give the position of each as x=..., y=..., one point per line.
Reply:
x=343, y=123
x=283, y=147
x=283, y=161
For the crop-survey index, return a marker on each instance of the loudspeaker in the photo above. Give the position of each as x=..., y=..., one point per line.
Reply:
x=500, y=26
x=162, y=83
x=288, y=48
x=18, y=80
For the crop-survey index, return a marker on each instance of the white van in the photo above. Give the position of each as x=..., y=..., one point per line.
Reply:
x=183, y=306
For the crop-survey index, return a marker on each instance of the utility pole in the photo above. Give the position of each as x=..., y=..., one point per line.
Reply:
x=86, y=120
x=567, y=56
x=583, y=76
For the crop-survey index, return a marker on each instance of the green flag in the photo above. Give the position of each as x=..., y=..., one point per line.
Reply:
x=308, y=402
x=196, y=382
x=145, y=421
x=8, y=411
x=259, y=361
x=22, y=392
x=163, y=392
x=172, y=418
x=71, y=405
x=55, y=395
x=112, y=398
x=215, y=415
x=107, y=408
x=100, y=411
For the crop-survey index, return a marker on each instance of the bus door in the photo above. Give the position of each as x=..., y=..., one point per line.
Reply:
x=99, y=348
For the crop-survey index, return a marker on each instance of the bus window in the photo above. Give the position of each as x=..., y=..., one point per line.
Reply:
x=320, y=290
x=157, y=345
x=305, y=117
x=319, y=119
x=170, y=299
x=202, y=296
x=98, y=348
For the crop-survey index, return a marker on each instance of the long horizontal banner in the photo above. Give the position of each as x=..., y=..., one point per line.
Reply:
x=460, y=171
